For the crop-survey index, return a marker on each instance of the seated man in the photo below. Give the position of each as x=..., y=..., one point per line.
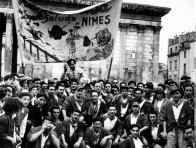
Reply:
x=93, y=108
x=134, y=140
x=98, y=137
x=156, y=130
x=55, y=112
x=113, y=125
x=135, y=118
x=43, y=136
x=123, y=103
x=74, y=102
x=72, y=132
x=190, y=133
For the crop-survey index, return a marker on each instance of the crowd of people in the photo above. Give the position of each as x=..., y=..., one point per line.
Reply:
x=66, y=113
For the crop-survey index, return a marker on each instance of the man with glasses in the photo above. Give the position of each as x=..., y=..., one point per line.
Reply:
x=115, y=82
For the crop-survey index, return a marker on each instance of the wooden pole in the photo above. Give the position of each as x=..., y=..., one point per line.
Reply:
x=195, y=112
x=1, y=35
x=14, y=50
x=110, y=69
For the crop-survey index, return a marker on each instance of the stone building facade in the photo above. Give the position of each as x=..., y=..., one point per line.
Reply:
x=136, y=53
x=182, y=56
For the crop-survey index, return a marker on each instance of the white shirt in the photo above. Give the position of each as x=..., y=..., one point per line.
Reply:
x=159, y=104
x=43, y=141
x=78, y=106
x=72, y=130
x=154, y=132
x=138, y=143
x=109, y=124
x=124, y=110
x=177, y=110
x=142, y=103
x=134, y=119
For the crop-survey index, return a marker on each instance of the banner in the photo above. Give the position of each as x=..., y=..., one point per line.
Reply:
x=49, y=36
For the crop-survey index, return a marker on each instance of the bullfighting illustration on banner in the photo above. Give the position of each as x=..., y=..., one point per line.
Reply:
x=87, y=34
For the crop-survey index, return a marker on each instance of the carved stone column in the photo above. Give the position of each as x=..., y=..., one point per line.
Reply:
x=155, y=49
x=139, y=52
x=8, y=42
x=123, y=29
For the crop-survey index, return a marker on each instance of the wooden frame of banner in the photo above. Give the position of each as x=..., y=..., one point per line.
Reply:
x=195, y=112
x=110, y=69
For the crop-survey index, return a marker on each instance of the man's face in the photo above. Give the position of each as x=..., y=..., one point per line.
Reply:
x=34, y=91
x=153, y=118
x=138, y=94
x=98, y=87
x=159, y=96
x=72, y=65
x=25, y=100
x=135, y=132
x=188, y=91
x=80, y=93
x=115, y=82
x=173, y=86
x=38, y=83
x=132, y=85
x=176, y=96
x=190, y=134
x=141, y=86
x=55, y=113
x=61, y=89
x=112, y=111
x=136, y=108
x=42, y=101
x=115, y=91
x=124, y=93
x=130, y=91
x=147, y=89
x=73, y=86
x=95, y=97
x=51, y=91
x=75, y=116
x=11, y=81
x=44, y=87
x=97, y=125
x=9, y=92
x=108, y=88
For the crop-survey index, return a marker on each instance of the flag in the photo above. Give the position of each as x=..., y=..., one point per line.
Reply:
x=50, y=36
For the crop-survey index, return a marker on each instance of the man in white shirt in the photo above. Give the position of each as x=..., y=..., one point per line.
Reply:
x=134, y=140
x=43, y=136
x=113, y=125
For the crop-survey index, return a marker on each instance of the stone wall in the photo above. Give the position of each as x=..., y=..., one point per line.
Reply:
x=136, y=53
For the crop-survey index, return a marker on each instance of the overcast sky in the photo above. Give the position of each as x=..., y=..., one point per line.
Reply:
x=182, y=18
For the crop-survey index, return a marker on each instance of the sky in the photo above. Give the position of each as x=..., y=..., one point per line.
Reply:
x=181, y=18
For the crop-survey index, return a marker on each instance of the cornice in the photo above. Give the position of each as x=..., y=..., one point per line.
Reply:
x=143, y=9
x=139, y=26
x=130, y=8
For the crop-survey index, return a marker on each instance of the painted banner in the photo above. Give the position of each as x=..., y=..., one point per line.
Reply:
x=49, y=36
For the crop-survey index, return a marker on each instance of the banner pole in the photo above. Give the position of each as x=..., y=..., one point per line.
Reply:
x=110, y=68
x=195, y=111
